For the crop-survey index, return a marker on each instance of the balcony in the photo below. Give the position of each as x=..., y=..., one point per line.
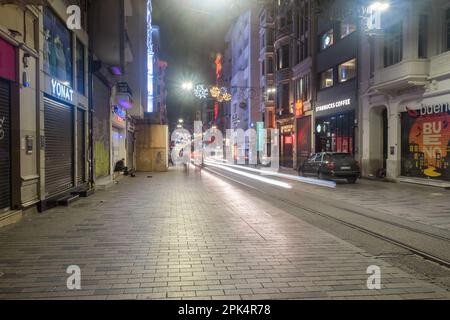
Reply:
x=408, y=73
x=440, y=65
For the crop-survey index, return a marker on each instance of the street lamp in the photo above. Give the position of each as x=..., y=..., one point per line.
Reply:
x=180, y=121
x=188, y=86
x=379, y=6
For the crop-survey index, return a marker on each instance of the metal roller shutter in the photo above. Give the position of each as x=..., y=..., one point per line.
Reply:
x=59, y=145
x=81, y=158
x=5, y=146
x=130, y=150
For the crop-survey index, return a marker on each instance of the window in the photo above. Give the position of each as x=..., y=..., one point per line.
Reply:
x=347, y=27
x=270, y=37
x=447, y=26
x=326, y=40
x=263, y=67
x=263, y=40
x=80, y=67
x=423, y=36
x=283, y=98
x=347, y=70
x=393, y=44
x=283, y=57
x=336, y=133
x=270, y=65
x=301, y=91
x=57, y=48
x=326, y=79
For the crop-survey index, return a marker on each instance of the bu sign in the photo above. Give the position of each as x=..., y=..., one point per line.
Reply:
x=62, y=91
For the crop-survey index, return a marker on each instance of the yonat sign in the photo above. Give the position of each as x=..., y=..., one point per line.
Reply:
x=62, y=91
x=333, y=105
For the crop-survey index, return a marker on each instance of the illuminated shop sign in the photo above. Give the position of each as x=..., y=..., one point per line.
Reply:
x=62, y=91
x=120, y=115
x=429, y=110
x=333, y=105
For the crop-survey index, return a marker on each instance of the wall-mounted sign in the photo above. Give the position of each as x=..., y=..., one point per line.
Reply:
x=429, y=110
x=333, y=105
x=62, y=91
x=287, y=129
x=299, y=108
x=119, y=115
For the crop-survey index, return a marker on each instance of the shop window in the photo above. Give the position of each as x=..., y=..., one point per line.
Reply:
x=327, y=40
x=347, y=71
x=57, y=48
x=326, y=79
x=80, y=67
x=393, y=44
x=347, y=27
x=335, y=134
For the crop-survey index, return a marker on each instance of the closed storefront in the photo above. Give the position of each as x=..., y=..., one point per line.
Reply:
x=59, y=147
x=287, y=145
x=130, y=145
x=425, y=140
x=7, y=77
x=119, y=134
x=303, y=139
x=81, y=150
x=101, y=128
x=5, y=146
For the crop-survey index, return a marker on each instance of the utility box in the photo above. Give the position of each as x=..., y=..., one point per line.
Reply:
x=152, y=147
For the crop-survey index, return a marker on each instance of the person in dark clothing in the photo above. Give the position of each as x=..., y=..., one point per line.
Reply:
x=118, y=168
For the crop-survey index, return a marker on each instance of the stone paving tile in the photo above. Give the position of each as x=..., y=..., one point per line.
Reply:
x=422, y=204
x=179, y=236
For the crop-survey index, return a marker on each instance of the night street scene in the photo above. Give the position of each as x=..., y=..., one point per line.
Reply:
x=253, y=152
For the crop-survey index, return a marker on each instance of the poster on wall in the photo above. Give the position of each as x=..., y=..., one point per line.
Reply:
x=426, y=142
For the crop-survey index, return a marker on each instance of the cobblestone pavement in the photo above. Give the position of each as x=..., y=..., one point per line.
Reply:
x=188, y=236
x=422, y=204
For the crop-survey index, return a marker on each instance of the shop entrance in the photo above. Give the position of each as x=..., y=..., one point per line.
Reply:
x=118, y=145
x=378, y=126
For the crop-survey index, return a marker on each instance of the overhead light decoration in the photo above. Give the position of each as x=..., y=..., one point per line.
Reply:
x=227, y=97
x=215, y=92
x=201, y=91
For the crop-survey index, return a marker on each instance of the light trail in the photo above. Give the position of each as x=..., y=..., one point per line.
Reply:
x=250, y=176
x=322, y=183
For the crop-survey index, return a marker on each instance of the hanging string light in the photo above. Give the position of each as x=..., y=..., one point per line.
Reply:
x=201, y=91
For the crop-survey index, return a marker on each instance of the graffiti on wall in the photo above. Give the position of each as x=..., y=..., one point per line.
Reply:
x=101, y=155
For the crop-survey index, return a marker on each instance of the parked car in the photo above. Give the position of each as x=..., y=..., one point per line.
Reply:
x=331, y=165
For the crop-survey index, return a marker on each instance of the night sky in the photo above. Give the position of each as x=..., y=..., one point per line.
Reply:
x=192, y=33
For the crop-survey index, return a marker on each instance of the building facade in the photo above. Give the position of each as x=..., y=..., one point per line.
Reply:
x=406, y=93
x=120, y=87
x=21, y=158
x=337, y=103
x=242, y=38
x=267, y=65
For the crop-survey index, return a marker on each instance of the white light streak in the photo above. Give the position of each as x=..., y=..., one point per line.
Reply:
x=250, y=176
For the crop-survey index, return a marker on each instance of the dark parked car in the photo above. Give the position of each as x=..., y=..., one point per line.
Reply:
x=331, y=165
